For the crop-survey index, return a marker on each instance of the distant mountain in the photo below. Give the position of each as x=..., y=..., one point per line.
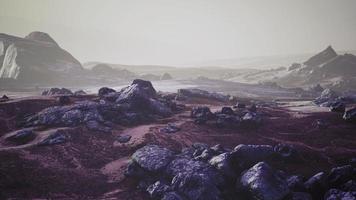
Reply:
x=322, y=57
x=326, y=68
x=36, y=59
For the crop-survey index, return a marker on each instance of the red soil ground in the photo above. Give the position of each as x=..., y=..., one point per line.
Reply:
x=91, y=164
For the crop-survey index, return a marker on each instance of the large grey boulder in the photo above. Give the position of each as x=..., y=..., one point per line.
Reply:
x=248, y=155
x=152, y=158
x=196, y=186
x=261, y=182
x=140, y=96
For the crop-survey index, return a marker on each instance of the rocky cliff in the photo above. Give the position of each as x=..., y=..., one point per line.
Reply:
x=35, y=59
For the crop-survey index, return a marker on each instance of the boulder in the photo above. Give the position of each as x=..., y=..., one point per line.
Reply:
x=350, y=115
x=21, y=136
x=287, y=152
x=135, y=170
x=316, y=185
x=105, y=91
x=349, y=186
x=158, y=189
x=123, y=138
x=170, y=128
x=141, y=97
x=201, y=114
x=227, y=121
x=262, y=182
x=335, y=194
x=296, y=183
x=337, y=106
x=204, y=154
x=79, y=93
x=300, y=196
x=240, y=105
x=197, y=93
x=196, y=186
x=326, y=97
x=251, y=120
x=224, y=163
x=166, y=76
x=138, y=89
x=4, y=98
x=96, y=126
x=248, y=155
x=57, y=91
x=70, y=115
x=63, y=100
x=172, y=196
x=227, y=111
x=340, y=175
x=152, y=158
x=54, y=137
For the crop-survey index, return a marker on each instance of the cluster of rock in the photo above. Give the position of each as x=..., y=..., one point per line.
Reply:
x=336, y=103
x=184, y=94
x=228, y=117
x=134, y=104
x=62, y=91
x=212, y=173
x=4, y=98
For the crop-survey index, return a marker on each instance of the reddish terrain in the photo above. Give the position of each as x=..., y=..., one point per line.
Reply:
x=91, y=164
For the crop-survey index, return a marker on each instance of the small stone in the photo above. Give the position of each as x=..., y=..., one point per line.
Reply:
x=123, y=138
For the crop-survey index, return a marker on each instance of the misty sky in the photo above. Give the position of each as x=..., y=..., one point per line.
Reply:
x=176, y=32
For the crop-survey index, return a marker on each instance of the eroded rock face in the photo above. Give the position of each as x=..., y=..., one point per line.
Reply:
x=37, y=59
x=262, y=182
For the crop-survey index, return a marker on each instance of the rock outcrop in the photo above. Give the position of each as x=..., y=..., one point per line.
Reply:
x=36, y=59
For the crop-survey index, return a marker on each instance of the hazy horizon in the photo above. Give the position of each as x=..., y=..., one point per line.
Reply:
x=184, y=32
